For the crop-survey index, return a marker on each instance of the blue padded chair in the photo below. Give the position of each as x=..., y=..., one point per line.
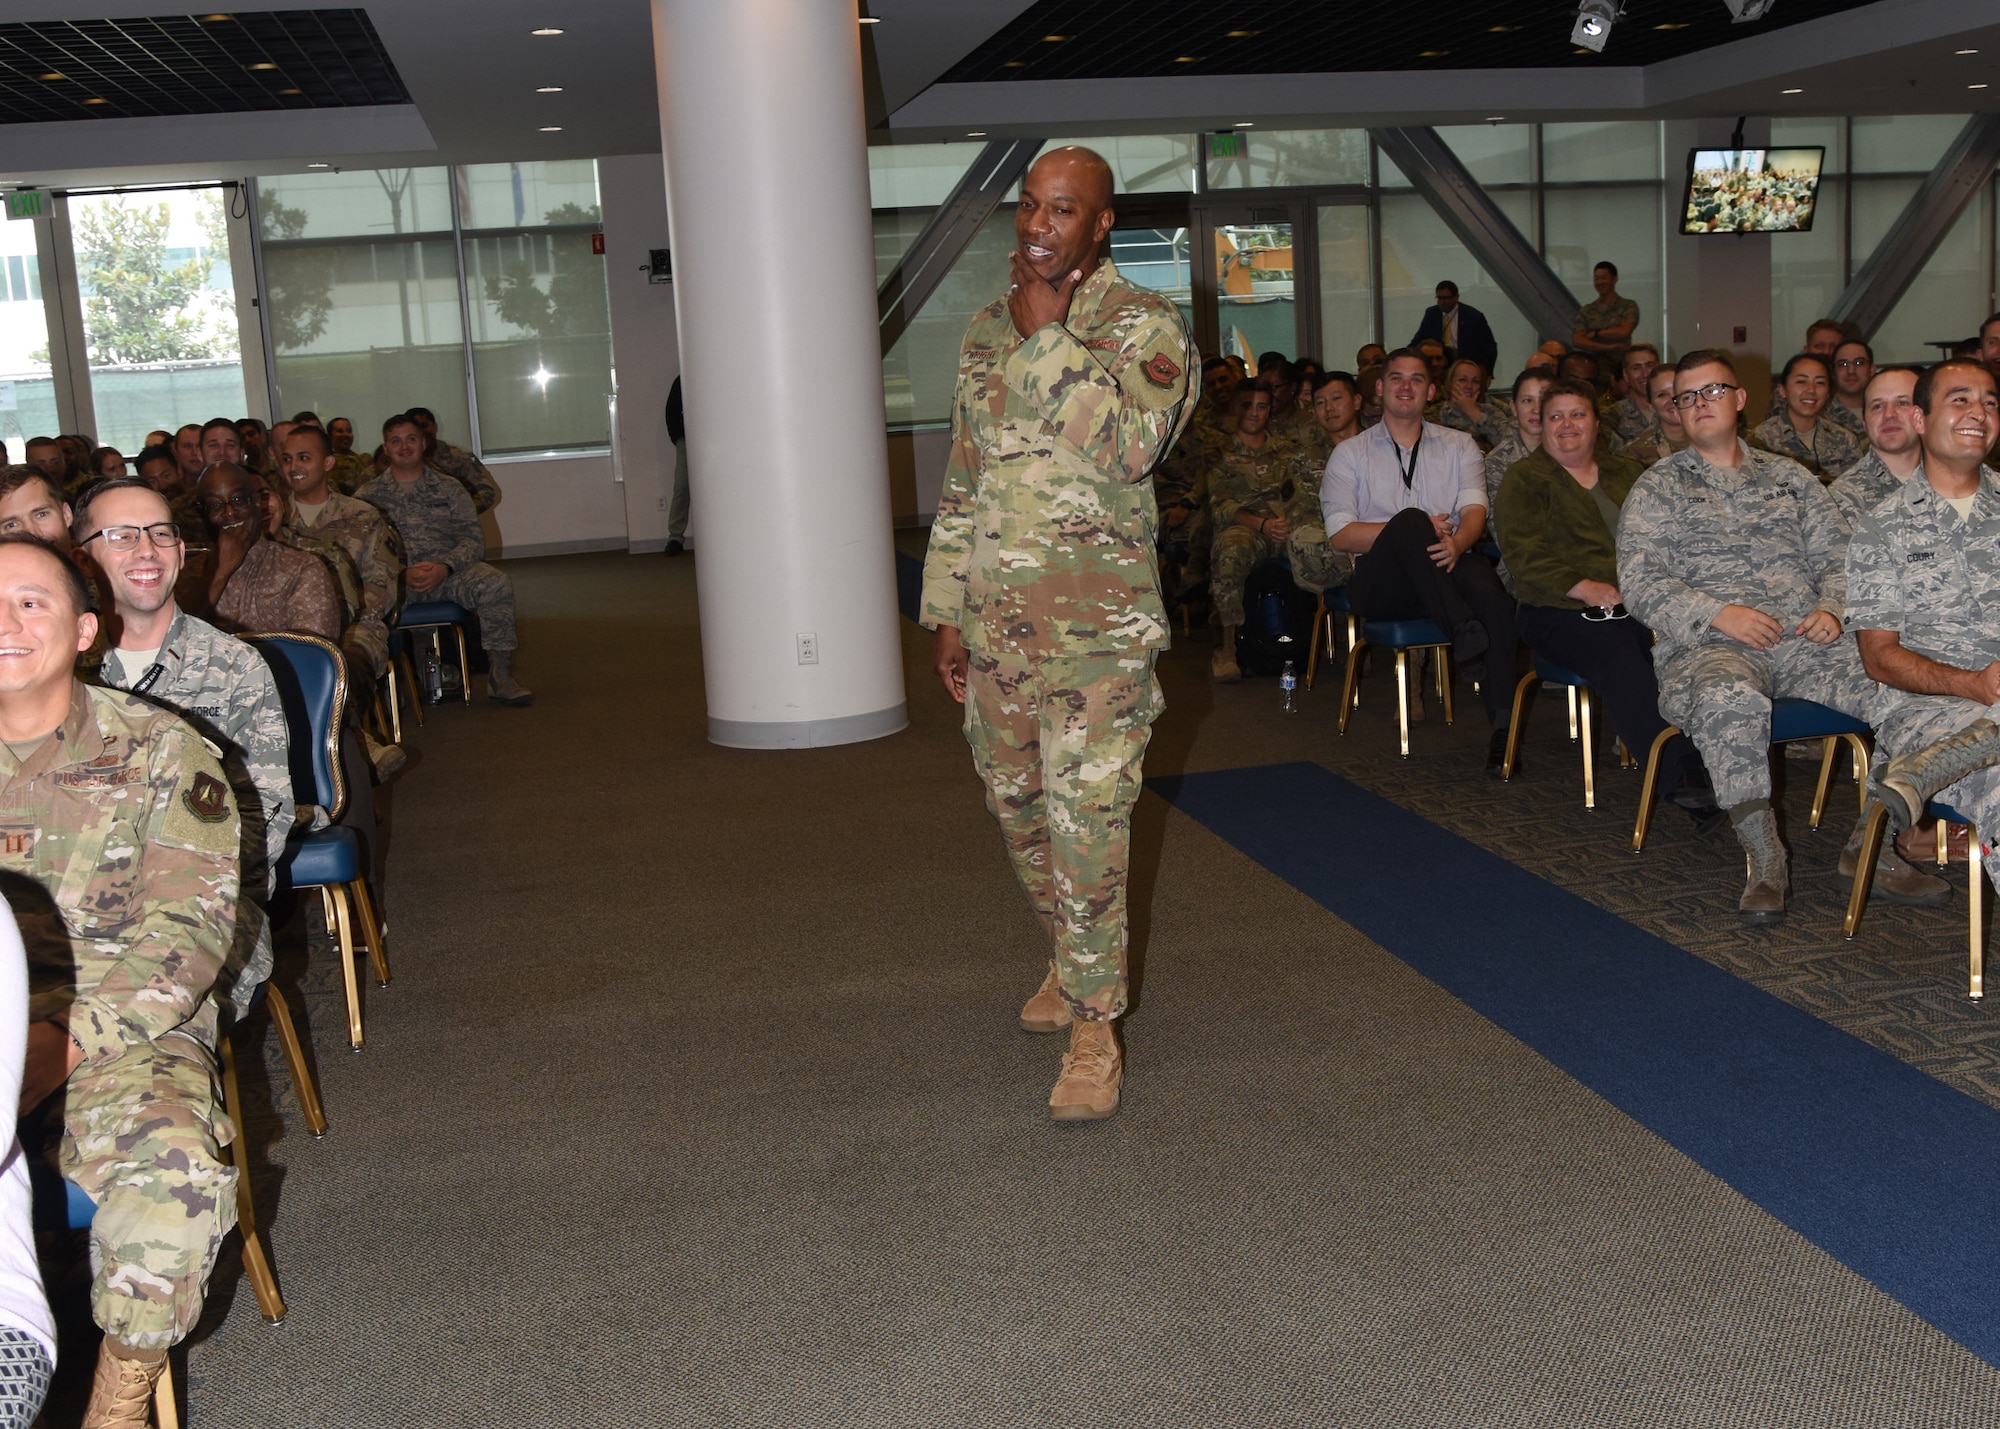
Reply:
x=1401, y=636
x=422, y=615
x=312, y=683
x=1791, y=720
x=1581, y=711
x=1975, y=878
x=1332, y=604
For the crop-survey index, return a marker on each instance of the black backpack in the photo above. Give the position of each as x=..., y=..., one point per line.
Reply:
x=1277, y=621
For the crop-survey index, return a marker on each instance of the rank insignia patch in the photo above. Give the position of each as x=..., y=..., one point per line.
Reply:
x=1161, y=370
x=207, y=799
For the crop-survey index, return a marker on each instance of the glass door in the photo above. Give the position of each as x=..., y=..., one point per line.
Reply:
x=1251, y=283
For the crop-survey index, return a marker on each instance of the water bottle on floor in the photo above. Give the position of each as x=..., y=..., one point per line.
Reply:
x=431, y=676
x=1288, y=686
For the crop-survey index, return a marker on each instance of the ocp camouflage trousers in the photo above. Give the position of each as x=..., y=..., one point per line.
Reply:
x=1921, y=720
x=1720, y=695
x=143, y=1137
x=487, y=593
x=1058, y=744
x=1316, y=566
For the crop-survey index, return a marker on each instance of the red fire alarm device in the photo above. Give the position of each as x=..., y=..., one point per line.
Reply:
x=597, y=244
x=1742, y=334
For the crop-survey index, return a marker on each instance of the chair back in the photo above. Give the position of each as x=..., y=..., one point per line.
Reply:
x=312, y=685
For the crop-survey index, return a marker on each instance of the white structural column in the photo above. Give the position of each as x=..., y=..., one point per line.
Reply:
x=774, y=292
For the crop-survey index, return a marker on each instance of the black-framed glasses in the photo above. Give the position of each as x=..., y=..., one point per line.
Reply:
x=1712, y=393
x=1602, y=613
x=126, y=538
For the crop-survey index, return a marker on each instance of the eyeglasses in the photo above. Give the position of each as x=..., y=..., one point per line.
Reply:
x=1712, y=393
x=126, y=538
x=1600, y=613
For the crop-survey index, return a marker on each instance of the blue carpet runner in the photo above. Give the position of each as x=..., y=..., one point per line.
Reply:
x=1881, y=1166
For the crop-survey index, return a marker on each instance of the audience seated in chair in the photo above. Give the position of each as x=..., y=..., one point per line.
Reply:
x=1895, y=451
x=1826, y=449
x=1665, y=436
x=31, y=505
x=1407, y=499
x=1632, y=414
x=123, y=853
x=1736, y=559
x=1559, y=509
x=1467, y=407
x=456, y=462
x=248, y=582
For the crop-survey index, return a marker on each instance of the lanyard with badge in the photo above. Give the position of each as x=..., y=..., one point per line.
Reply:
x=1409, y=473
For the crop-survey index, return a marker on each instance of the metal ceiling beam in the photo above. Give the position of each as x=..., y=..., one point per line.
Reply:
x=1925, y=220
x=950, y=232
x=1477, y=222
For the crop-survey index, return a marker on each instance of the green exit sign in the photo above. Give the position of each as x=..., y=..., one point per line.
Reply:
x=29, y=203
x=1225, y=146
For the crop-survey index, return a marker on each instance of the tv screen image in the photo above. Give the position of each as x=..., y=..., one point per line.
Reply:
x=1751, y=190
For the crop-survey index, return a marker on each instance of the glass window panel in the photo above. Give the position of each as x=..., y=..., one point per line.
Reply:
x=1159, y=259
x=1825, y=131
x=1418, y=251
x=1493, y=153
x=27, y=396
x=1902, y=143
x=1948, y=298
x=532, y=195
x=1388, y=175
x=1290, y=158
x=1144, y=163
x=1586, y=153
x=159, y=311
x=1806, y=271
x=1256, y=295
x=1584, y=227
x=355, y=203
x=920, y=372
x=916, y=175
x=1346, y=282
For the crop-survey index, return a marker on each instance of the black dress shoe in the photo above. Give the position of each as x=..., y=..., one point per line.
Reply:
x=1470, y=642
x=674, y=548
x=1496, y=755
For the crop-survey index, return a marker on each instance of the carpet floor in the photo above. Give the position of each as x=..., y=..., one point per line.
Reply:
x=698, y=1099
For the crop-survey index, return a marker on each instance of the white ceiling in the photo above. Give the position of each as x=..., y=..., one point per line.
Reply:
x=472, y=69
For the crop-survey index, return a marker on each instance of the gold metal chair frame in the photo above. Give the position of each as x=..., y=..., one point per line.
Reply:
x=1582, y=708
x=1323, y=621
x=1830, y=745
x=410, y=673
x=1975, y=891
x=1357, y=647
x=335, y=899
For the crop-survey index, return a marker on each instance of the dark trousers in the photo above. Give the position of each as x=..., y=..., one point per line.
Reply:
x=1616, y=656
x=1398, y=580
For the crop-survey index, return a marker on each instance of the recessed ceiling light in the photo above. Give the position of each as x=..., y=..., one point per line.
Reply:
x=1495, y=118
x=549, y=89
x=1246, y=124
x=1243, y=34
x=266, y=64
x=871, y=20
x=1501, y=29
x=1056, y=39
x=1672, y=25
x=216, y=19
x=1013, y=64
x=52, y=75
x=96, y=101
x=552, y=128
x=1975, y=86
x=1187, y=59
x=1965, y=52
x=975, y=134
x=546, y=30
x=1580, y=50
x=291, y=91
x=1791, y=91
x=1432, y=54
x=319, y=166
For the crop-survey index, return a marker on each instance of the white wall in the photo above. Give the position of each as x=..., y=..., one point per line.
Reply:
x=1717, y=284
x=645, y=349
x=552, y=506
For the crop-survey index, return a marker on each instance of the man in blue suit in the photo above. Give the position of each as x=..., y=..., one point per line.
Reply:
x=1462, y=329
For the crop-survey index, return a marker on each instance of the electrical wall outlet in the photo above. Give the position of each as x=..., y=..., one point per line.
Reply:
x=663, y=503
x=808, y=648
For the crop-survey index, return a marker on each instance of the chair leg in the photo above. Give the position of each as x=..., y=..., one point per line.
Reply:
x=1864, y=868
x=270, y=1304
x=414, y=691
x=1648, y=785
x=1322, y=620
x=371, y=929
x=1975, y=901
x=166, y=1405
x=1943, y=842
x=1521, y=691
x=1589, y=751
x=1403, y=699
x=464, y=666
x=1570, y=690
x=1829, y=747
x=1445, y=679
x=334, y=899
x=1862, y=750
x=1348, y=702
x=295, y=1060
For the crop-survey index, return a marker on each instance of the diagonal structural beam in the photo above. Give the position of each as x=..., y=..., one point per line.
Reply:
x=1880, y=283
x=1477, y=222
x=951, y=230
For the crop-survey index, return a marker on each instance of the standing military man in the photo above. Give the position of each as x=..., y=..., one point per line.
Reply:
x=1042, y=583
x=1605, y=326
x=119, y=837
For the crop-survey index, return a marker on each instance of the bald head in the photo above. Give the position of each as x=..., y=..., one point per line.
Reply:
x=1064, y=213
x=1079, y=172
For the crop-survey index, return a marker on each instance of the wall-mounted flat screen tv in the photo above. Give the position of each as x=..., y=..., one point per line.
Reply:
x=1751, y=190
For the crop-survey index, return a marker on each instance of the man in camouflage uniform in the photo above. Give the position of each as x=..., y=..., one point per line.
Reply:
x=352, y=470
x=118, y=841
x=214, y=681
x=1853, y=370
x=1605, y=326
x=32, y=505
x=1666, y=435
x=457, y=463
x=361, y=531
x=1923, y=596
x=159, y=469
x=1632, y=415
x=1895, y=451
x=1826, y=449
x=1264, y=495
x=446, y=550
x=1043, y=587
x=1735, y=558
x=1180, y=483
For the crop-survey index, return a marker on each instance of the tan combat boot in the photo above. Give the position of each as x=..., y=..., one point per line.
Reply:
x=1222, y=667
x=1091, y=1072
x=501, y=686
x=1767, y=879
x=1895, y=880
x=1909, y=781
x=1046, y=1011
x=122, y=1392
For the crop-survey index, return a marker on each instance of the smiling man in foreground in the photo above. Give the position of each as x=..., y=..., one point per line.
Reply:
x=1043, y=586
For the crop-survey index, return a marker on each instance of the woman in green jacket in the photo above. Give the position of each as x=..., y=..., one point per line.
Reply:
x=1557, y=515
